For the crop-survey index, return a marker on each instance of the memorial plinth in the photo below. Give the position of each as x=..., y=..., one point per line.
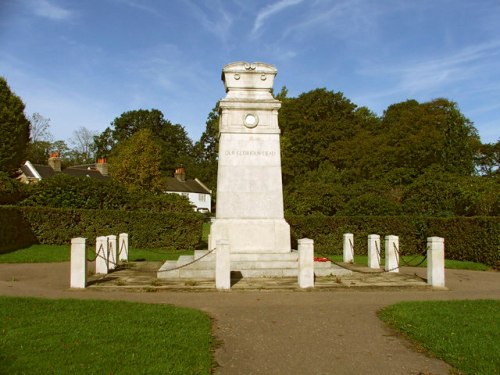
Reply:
x=249, y=226
x=249, y=188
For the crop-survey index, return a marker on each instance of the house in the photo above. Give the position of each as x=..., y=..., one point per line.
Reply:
x=32, y=173
x=197, y=193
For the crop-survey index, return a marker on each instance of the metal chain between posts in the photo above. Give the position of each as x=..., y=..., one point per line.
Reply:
x=121, y=248
x=407, y=264
x=187, y=264
x=378, y=252
x=96, y=255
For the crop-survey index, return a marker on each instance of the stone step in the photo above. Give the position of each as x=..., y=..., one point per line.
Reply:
x=292, y=256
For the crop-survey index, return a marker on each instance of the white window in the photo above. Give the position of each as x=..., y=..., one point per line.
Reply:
x=185, y=194
x=201, y=197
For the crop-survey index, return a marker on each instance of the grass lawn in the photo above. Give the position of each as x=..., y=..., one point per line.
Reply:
x=61, y=253
x=466, y=334
x=41, y=336
x=416, y=259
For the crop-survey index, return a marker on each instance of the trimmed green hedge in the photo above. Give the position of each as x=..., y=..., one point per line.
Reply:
x=474, y=239
x=15, y=231
x=57, y=227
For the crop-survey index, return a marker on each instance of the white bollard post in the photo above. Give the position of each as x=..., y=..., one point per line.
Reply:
x=123, y=246
x=348, y=247
x=112, y=253
x=435, y=261
x=101, y=252
x=223, y=265
x=373, y=251
x=391, y=253
x=78, y=278
x=306, y=263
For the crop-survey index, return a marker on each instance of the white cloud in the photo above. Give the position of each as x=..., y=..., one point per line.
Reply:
x=47, y=9
x=269, y=11
x=215, y=19
x=468, y=63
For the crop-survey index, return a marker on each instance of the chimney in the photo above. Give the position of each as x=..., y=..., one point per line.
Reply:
x=180, y=174
x=102, y=166
x=55, y=162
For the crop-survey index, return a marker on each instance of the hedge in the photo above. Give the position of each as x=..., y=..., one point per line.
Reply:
x=474, y=239
x=22, y=226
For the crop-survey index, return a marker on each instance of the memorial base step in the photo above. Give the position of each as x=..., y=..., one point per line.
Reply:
x=252, y=265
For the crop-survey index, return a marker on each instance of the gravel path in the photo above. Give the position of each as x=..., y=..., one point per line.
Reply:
x=285, y=332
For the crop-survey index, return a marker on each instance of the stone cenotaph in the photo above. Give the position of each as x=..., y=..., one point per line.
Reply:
x=249, y=189
x=249, y=231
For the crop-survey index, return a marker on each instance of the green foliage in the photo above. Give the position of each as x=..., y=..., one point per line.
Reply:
x=14, y=129
x=417, y=159
x=488, y=159
x=102, y=337
x=173, y=141
x=64, y=191
x=11, y=191
x=206, y=151
x=476, y=239
x=463, y=333
x=146, y=229
x=15, y=230
x=473, y=239
x=145, y=201
x=136, y=163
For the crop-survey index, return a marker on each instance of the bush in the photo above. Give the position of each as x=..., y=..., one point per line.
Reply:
x=474, y=239
x=11, y=191
x=145, y=229
x=15, y=231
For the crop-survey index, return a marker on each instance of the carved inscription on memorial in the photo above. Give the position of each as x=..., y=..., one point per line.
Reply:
x=250, y=153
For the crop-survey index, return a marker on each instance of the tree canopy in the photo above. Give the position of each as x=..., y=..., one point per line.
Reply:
x=136, y=163
x=14, y=129
x=175, y=145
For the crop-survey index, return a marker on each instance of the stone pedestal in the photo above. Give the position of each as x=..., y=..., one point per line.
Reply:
x=348, y=247
x=391, y=253
x=306, y=263
x=373, y=251
x=101, y=252
x=435, y=261
x=223, y=265
x=123, y=247
x=112, y=252
x=78, y=278
x=249, y=188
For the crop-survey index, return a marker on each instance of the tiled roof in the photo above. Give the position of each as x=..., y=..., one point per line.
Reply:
x=188, y=186
x=46, y=171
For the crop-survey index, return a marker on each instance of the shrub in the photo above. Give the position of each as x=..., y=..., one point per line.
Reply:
x=15, y=231
x=474, y=239
x=146, y=229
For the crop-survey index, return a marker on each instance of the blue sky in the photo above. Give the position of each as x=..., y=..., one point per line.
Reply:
x=84, y=62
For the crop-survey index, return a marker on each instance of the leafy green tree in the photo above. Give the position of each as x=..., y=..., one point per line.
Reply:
x=136, y=163
x=176, y=147
x=14, y=129
x=488, y=159
x=206, y=151
x=310, y=124
x=417, y=136
x=11, y=191
x=38, y=152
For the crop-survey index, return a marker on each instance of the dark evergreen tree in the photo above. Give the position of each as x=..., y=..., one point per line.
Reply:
x=14, y=129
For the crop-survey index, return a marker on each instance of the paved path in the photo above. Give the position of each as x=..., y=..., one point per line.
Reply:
x=285, y=332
